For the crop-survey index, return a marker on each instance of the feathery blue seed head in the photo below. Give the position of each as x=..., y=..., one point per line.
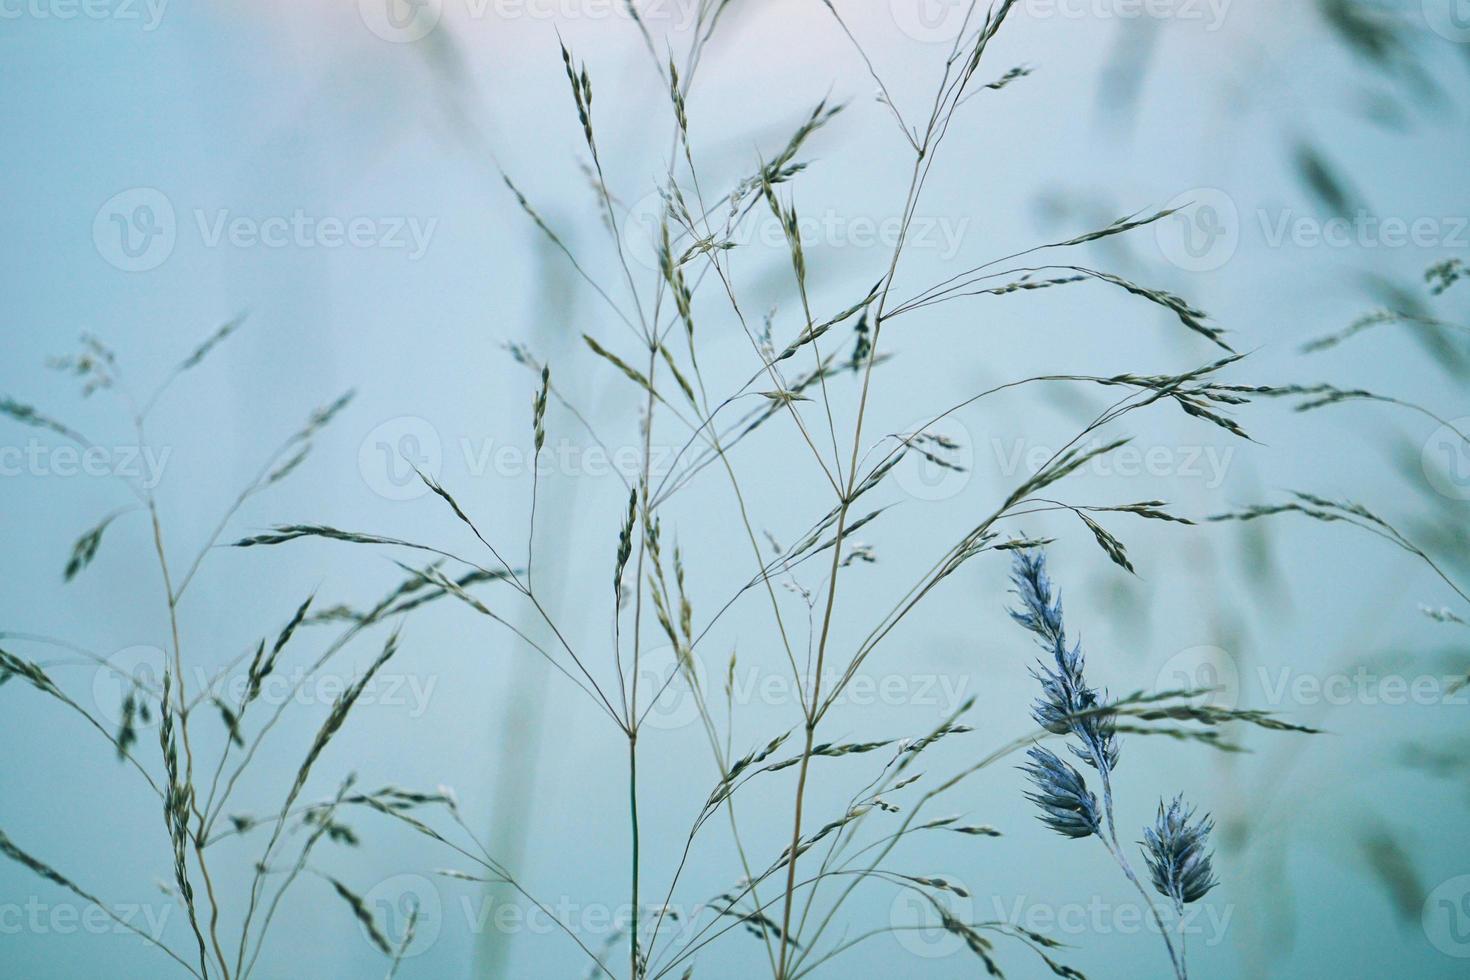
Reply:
x=1064, y=691
x=1176, y=849
x=1041, y=611
x=1066, y=804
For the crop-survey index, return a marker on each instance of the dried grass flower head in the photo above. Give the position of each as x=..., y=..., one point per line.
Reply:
x=1067, y=704
x=1067, y=806
x=1176, y=848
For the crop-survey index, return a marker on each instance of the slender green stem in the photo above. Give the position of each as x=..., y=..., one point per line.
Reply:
x=633, y=819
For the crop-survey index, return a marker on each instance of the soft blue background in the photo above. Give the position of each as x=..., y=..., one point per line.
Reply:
x=268, y=108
